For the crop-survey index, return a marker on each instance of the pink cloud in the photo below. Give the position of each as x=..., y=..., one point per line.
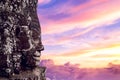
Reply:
x=92, y=19
x=43, y=1
x=86, y=15
x=72, y=72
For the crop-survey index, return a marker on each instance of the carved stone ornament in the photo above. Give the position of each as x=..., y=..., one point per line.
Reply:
x=20, y=41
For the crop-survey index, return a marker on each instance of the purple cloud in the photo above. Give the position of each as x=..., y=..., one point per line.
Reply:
x=58, y=9
x=72, y=72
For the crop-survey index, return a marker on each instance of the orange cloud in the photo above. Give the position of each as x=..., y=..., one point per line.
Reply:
x=89, y=58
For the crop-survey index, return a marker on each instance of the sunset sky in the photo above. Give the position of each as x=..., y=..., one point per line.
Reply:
x=83, y=32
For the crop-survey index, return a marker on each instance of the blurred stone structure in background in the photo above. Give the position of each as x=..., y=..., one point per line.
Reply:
x=20, y=41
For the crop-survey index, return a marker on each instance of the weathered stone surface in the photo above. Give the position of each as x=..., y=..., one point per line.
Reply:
x=36, y=74
x=20, y=40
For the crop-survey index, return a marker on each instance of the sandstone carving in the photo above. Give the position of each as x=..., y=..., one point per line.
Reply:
x=20, y=41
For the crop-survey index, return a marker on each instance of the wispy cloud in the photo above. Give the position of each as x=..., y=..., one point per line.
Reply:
x=43, y=2
x=88, y=58
x=86, y=38
x=66, y=17
x=81, y=29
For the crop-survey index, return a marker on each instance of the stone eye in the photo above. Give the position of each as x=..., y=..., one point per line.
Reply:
x=17, y=31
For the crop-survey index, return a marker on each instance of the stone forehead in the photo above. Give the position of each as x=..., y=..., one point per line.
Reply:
x=19, y=1
x=17, y=5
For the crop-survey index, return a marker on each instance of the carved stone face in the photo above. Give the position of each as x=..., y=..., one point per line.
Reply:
x=20, y=32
